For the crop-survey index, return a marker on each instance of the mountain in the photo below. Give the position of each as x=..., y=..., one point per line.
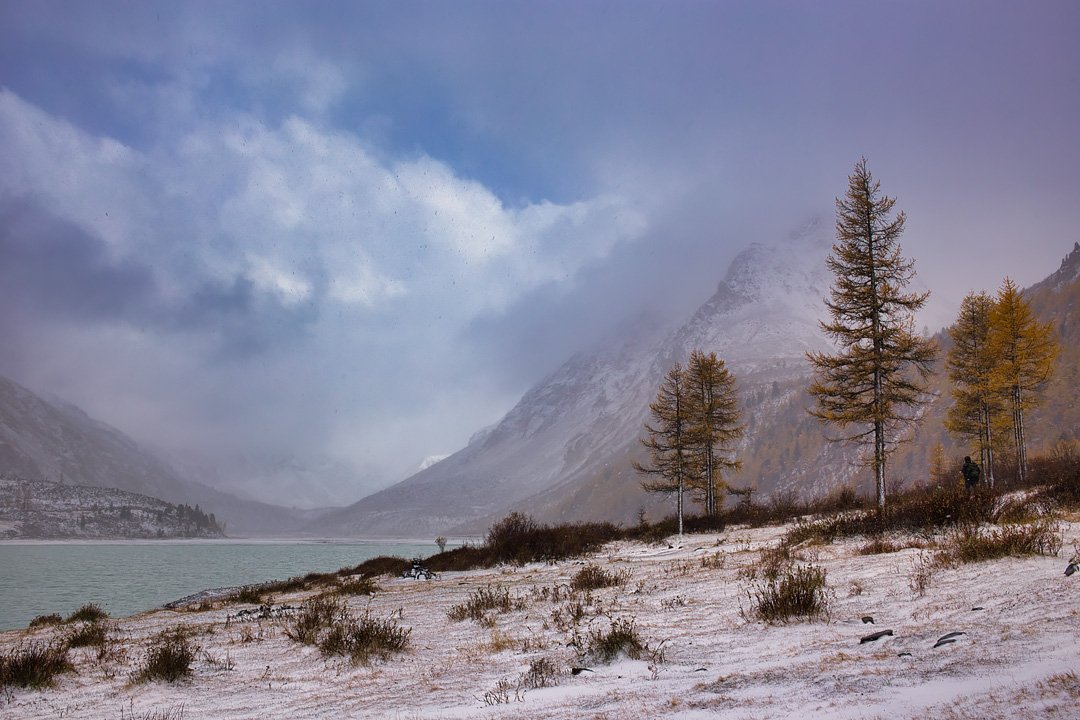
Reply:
x=55, y=441
x=38, y=509
x=563, y=452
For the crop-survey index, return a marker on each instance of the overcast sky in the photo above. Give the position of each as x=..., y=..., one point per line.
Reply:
x=361, y=230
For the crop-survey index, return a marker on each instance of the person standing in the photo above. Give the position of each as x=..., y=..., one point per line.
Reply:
x=970, y=471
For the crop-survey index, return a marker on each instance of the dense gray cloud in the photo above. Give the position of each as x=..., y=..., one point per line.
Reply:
x=358, y=231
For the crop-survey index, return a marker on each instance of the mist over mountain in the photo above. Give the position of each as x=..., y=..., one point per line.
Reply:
x=563, y=452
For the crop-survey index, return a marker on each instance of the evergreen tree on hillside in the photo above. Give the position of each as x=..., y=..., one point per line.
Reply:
x=667, y=437
x=1025, y=350
x=977, y=411
x=870, y=382
x=713, y=423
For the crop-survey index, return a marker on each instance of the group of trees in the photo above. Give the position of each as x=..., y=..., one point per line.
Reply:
x=873, y=386
x=695, y=424
x=1001, y=356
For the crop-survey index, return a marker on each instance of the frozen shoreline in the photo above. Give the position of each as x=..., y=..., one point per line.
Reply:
x=690, y=600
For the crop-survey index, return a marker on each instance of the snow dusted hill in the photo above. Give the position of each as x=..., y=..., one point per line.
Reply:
x=55, y=441
x=563, y=452
x=37, y=509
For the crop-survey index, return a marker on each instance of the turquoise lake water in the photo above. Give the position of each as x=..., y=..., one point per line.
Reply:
x=129, y=577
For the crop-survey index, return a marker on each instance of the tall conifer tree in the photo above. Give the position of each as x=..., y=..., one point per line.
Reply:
x=1025, y=350
x=977, y=410
x=667, y=439
x=714, y=425
x=869, y=383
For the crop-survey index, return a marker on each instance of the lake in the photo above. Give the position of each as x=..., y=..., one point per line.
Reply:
x=127, y=577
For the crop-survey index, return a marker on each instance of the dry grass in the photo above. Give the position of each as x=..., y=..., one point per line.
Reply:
x=169, y=655
x=796, y=592
x=34, y=665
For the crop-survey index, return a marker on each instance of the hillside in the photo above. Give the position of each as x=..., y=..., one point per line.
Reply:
x=57, y=442
x=34, y=509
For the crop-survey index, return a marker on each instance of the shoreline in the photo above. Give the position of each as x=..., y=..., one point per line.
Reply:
x=691, y=605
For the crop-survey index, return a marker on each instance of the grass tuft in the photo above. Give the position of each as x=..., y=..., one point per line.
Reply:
x=169, y=655
x=797, y=592
x=363, y=638
x=489, y=597
x=317, y=614
x=594, y=577
x=88, y=613
x=46, y=620
x=620, y=640
x=34, y=665
x=969, y=543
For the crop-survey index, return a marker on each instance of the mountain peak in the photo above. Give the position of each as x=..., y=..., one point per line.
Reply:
x=1065, y=274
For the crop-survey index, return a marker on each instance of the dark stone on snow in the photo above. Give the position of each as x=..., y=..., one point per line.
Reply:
x=903, y=654
x=875, y=636
x=1073, y=567
x=948, y=638
x=977, y=607
x=868, y=619
x=579, y=670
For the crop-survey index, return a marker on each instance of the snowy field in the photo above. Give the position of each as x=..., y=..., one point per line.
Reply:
x=1017, y=656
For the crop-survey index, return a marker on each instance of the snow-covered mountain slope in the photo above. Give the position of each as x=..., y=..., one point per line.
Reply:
x=581, y=424
x=55, y=441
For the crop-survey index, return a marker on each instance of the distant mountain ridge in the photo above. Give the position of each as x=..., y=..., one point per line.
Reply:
x=53, y=441
x=563, y=452
x=38, y=510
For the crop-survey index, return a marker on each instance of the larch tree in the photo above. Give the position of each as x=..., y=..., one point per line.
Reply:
x=977, y=409
x=667, y=438
x=714, y=425
x=875, y=382
x=1025, y=350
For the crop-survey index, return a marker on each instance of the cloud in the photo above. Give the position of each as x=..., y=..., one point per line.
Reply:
x=246, y=241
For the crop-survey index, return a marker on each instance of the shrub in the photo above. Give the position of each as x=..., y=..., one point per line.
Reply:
x=376, y=566
x=542, y=673
x=248, y=594
x=88, y=613
x=316, y=615
x=621, y=639
x=358, y=586
x=360, y=639
x=921, y=575
x=44, y=620
x=87, y=635
x=34, y=665
x=168, y=656
x=969, y=544
x=798, y=592
x=490, y=597
x=594, y=577
x=879, y=545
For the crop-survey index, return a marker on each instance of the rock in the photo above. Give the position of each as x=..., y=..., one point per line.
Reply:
x=948, y=638
x=579, y=670
x=875, y=636
x=1073, y=567
x=868, y=619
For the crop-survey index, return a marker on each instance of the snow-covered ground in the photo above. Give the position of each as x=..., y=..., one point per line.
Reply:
x=1017, y=656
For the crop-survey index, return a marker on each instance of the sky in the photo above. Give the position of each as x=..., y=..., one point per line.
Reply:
x=353, y=234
